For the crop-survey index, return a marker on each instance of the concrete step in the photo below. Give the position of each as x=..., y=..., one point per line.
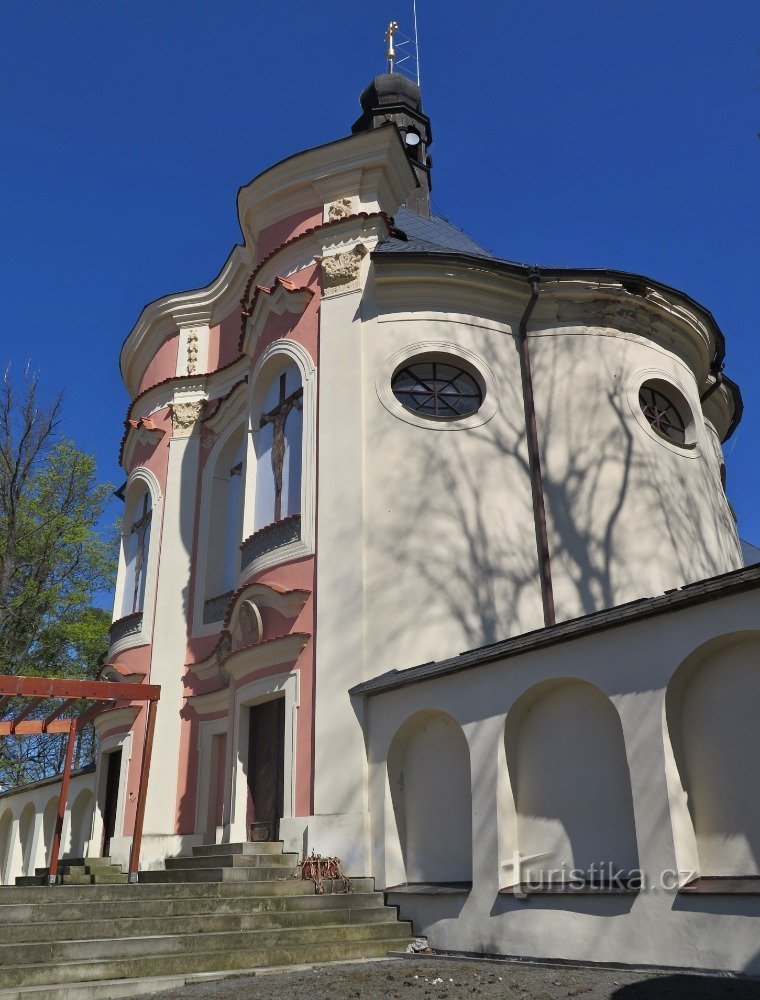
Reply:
x=195, y=923
x=250, y=873
x=247, y=847
x=289, y=862
x=166, y=965
x=172, y=890
x=134, y=908
x=57, y=953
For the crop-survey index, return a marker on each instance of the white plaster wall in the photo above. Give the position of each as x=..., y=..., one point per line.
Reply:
x=430, y=783
x=563, y=784
x=632, y=666
x=715, y=712
x=42, y=803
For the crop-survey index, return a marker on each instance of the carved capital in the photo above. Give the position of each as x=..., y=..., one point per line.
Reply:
x=185, y=416
x=340, y=272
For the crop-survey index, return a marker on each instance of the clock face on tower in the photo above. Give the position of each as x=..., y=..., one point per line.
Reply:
x=412, y=139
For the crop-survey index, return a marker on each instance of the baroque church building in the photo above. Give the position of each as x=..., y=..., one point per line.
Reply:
x=431, y=556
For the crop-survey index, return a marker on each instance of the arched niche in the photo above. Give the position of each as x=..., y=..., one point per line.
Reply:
x=431, y=791
x=48, y=827
x=26, y=836
x=81, y=824
x=571, y=784
x=6, y=828
x=224, y=512
x=712, y=706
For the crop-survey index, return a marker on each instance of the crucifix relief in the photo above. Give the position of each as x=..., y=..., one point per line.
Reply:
x=139, y=536
x=277, y=417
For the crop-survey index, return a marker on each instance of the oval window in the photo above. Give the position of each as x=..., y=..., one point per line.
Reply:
x=663, y=414
x=438, y=390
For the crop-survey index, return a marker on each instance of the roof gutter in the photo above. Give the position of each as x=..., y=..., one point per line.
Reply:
x=534, y=457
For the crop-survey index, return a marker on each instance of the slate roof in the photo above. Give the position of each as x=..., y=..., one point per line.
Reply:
x=433, y=235
x=750, y=553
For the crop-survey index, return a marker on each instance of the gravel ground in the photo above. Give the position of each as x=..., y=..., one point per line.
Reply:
x=441, y=979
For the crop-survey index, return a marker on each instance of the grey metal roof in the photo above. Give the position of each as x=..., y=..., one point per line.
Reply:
x=647, y=607
x=750, y=553
x=432, y=235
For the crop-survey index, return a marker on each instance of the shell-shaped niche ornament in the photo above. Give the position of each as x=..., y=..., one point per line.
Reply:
x=250, y=629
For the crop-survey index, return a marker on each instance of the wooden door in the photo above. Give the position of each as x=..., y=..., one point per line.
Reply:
x=113, y=774
x=266, y=768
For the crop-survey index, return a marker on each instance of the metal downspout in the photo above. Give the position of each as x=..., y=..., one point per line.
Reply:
x=534, y=458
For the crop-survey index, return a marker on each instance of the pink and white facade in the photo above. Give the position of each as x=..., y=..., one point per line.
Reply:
x=294, y=529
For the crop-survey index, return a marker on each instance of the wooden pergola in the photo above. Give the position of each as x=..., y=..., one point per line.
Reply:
x=103, y=695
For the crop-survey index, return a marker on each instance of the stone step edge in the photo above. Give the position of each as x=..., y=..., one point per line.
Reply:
x=258, y=932
x=392, y=920
x=108, y=988
x=388, y=945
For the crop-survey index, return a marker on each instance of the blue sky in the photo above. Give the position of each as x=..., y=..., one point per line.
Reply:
x=602, y=134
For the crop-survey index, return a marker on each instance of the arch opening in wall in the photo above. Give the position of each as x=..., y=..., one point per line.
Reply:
x=279, y=504
x=431, y=792
x=49, y=817
x=225, y=522
x=6, y=828
x=571, y=786
x=80, y=826
x=138, y=561
x=278, y=434
x=26, y=836
x=711, y=709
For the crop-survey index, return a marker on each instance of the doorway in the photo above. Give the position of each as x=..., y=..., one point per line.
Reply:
x=266, y=769
x=110, y=805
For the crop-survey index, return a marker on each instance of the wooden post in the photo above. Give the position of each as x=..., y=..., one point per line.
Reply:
x=65, y=777
x=134, y=854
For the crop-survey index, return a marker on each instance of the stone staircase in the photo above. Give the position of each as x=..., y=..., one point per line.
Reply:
x=80, y=871
x=228, y=908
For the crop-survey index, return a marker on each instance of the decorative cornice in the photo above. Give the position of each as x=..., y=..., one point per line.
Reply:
x=141, y=431
x=373, y=164
x=202, y=306
x=211, y=386
x=283, y=296
x=228, y=407
x=122, y=718
x=185, y=415
x=267, y=653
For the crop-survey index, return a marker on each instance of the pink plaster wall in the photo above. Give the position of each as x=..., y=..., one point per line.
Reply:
x=297, y=575
x=163, y=364
x=286, y=229
x=224, y=341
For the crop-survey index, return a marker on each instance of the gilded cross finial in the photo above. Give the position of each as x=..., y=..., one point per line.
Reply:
x=390, y=54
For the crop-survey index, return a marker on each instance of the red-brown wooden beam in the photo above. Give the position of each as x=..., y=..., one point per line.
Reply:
x=31, y=727
x=134, y=854
x=25, y=711
x=58, y=711
x=56, y=687
x=55, y=847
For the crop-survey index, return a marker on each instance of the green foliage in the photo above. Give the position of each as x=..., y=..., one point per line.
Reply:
x=53, y=562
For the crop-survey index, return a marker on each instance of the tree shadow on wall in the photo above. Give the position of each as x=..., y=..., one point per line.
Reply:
x=623, y=522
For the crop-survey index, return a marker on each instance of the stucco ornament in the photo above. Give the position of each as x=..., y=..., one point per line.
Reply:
x=340, y=209
x=192, y=352
x=250, y=628
x=222, y=651
x=341, y=271
x=184, y=417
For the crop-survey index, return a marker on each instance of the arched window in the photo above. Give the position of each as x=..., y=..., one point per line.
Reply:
x=278, y=450
x=225, y=517
x=136, y=544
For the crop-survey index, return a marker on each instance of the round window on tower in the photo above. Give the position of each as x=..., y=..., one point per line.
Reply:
x=667, y=412
x=437, y=390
